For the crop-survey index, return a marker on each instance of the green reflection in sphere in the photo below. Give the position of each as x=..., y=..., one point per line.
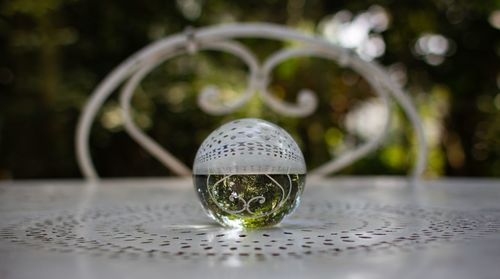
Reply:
x=249, y=173
x=249, y=201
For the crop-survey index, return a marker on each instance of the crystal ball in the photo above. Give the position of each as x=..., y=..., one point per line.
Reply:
x=249, y=173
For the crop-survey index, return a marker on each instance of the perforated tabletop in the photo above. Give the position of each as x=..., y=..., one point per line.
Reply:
x=154, y=228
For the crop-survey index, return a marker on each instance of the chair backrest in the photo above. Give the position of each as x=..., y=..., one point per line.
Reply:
x=221, y=38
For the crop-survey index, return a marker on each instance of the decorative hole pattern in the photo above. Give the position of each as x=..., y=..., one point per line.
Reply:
x=179, y=232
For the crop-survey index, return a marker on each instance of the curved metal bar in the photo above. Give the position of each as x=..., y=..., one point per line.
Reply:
x=223, y=32
x=100, y=94
x=409, y=109
x=207, y=99
x=306, y=99
x=349, y=157
x=162, y=155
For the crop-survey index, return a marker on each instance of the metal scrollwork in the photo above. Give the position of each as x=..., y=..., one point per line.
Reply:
x=221, y=38
x=212, y=191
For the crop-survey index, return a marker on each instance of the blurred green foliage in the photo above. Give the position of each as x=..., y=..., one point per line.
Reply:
x=54, y=52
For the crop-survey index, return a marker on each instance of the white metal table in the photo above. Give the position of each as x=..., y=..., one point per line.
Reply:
x=154, y=228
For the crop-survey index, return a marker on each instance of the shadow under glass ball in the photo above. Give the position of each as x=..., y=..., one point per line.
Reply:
x=249, y=200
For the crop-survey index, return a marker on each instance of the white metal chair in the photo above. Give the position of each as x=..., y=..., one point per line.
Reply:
x=221, y=38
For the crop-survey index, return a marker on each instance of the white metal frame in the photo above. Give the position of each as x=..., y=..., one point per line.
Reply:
x=220, y=38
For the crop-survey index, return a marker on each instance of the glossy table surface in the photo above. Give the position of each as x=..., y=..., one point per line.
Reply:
x=349, y=227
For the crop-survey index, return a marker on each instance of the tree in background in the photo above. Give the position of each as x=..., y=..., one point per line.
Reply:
x=54, y=52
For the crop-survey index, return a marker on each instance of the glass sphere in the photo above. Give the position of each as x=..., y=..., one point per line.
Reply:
x=249, y=173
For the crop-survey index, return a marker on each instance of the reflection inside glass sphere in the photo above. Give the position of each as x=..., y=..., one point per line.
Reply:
x=249, y=173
